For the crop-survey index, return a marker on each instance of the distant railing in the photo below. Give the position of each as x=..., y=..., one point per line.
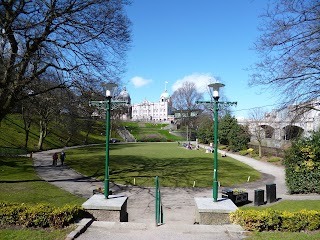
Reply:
x=159, y=208
x=7, y=151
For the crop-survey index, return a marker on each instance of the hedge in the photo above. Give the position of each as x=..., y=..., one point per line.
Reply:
x=275, y=220
x=302, y=162
x=39, y=215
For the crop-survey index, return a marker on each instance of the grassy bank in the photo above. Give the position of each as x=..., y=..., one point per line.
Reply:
x=13, y=134
x=150, y=132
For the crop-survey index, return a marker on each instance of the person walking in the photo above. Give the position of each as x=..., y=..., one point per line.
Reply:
x=54, y=159
x=62, y=157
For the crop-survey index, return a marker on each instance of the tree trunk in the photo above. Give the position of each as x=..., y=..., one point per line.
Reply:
x=85, y=142
x=40, y=142
x=68, y=140
x=260, y=150
x=27, y=131
x=26, y=139
x=43, y=133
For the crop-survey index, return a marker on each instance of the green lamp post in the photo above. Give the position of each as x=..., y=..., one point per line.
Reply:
x=215, y=94
x=215, y=87
x=108, y=89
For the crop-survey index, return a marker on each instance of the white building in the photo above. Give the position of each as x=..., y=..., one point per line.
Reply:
x=124, y=112
x=153, y=111
x=281, y=125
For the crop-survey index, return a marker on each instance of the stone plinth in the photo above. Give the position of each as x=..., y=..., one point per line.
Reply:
x=113, y=209
x=209, y=212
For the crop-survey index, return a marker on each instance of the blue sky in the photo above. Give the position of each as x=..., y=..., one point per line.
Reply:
x=195, y=40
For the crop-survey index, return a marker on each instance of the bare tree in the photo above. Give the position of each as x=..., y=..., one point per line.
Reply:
x=184, y=101
x=27, y=113
x=68, y=38
x=47, y=109
x=289, y=49
x=257, y=126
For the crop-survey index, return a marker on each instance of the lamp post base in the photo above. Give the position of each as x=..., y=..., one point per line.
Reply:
x=213, y=213
x=113, y=209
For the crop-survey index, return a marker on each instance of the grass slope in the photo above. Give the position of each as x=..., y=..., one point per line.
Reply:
x=154, y=132
x=13, y=135
x=175, y=165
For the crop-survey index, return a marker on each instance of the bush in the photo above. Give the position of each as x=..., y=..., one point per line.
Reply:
x=249, y=151
x=266, y=220
x=222, y=147
x=40, y=215
x=274, y=159
x=302, y=163
x=243, y=152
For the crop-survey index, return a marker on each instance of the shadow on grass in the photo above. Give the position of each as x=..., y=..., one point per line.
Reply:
x=140, y=162
x=174, y=172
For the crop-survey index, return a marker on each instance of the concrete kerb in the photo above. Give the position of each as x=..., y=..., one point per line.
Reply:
x=83, y=224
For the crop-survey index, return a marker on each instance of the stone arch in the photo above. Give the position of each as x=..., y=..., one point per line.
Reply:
x=291, y=132
x=268, y=131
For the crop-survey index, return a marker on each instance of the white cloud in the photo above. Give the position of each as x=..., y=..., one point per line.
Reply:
x=201, y=80
x=140, y=82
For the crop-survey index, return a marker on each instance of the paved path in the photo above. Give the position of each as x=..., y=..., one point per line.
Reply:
x=178, y=203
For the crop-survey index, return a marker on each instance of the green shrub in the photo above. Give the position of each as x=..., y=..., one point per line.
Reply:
x=222, y=147
x=302, y=163
x=274, y=159
x=249, y=151
x=243, y=152
x=40, y=215
x=269, y=219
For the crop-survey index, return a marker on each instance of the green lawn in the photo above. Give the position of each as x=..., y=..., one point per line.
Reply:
x=19, y=183
x=289, y=205
x=176, y=166
x=284, y=236
x=35, y=234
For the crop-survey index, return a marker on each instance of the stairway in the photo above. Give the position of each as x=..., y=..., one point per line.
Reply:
x=125, y=134
x=170, y=231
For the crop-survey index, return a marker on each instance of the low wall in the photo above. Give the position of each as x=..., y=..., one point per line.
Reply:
x=278, y=152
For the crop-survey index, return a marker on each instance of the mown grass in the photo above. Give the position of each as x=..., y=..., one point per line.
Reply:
x=13, y=134
x=284, y=236
x=142, y=131
x=19, y=183
x=35, y=234
x=175, y=165
x=289, y=205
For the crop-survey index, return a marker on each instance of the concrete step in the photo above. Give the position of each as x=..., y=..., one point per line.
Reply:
x=169, y=231
x=170, y=227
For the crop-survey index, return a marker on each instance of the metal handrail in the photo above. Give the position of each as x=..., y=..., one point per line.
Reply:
x=159, y=207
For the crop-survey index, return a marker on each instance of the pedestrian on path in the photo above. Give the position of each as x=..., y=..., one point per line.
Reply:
x=62, y=157
x=54, y=159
